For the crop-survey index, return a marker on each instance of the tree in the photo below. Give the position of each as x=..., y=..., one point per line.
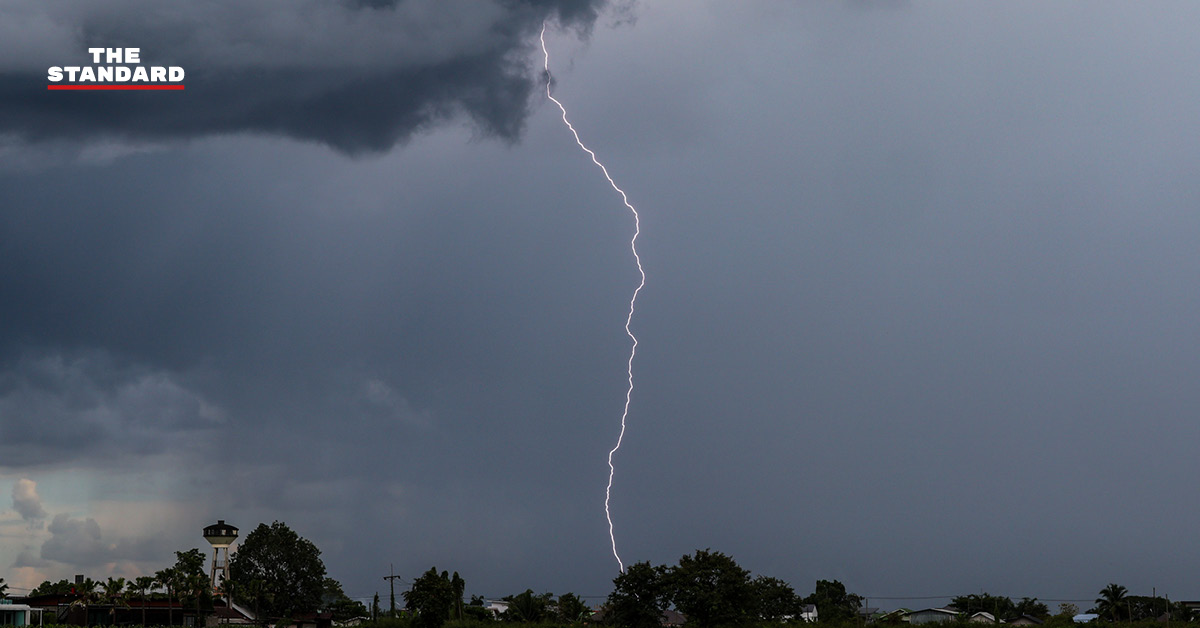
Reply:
x=833, y=602
x=335, y=600
x=459, y=586
x=1000, y=607
x=712, y=590
x=570, y=609
x=115, y=595
x=167, y=578
x=776, y=600
x=639, y=597
x=190, y=580
x=1031, y=607
x=62, y=587
x=3, y=589
x=527, y=607
x=86, y=596
x=142, y=584
x=289, y=567
x=1108, y=605
x=430, y=598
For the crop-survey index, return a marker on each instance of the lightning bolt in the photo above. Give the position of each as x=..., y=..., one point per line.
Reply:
x=637, y=230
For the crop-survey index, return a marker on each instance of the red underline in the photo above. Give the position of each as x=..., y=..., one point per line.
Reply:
x=107, y=86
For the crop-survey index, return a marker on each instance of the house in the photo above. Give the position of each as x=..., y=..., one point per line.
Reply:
x=1084, y=618
x=12, y=614
x=497, y=607
x=673, y=618
x=982, y=617
x=930, y=615
x=67, y=608
x=809, y=612
x=225, y=613
x=1026, y=620
x=898, y=615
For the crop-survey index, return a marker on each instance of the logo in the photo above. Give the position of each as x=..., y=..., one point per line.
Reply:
x=130, y=74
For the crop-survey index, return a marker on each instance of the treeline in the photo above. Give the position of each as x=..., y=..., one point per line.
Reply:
x=279, y=575
x=276, y=573
x=707, y=588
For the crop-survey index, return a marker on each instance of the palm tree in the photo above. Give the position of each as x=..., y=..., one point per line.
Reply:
x=166, y=579
x=1109, y=603
x=141, y=584
x=3, y=589
x=115, y=594
x=87, y=594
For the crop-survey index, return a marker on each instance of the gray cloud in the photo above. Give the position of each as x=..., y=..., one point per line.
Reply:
x=76, y=541
x=64, y=409
x=81, y=542
x=922, y=284
x=355, y=76
x=26, y=501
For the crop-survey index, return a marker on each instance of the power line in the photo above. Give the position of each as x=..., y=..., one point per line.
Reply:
x=392, y=585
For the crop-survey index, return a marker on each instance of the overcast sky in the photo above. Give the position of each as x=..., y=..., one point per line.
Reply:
x=921, y=308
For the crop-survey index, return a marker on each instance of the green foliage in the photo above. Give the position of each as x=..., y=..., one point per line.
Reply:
x=833, y=602
x=278, y=572
x=1000, y=607
x=1031, y=607
x=1115, y=604
x=431, y=598
x=639, y=597
x=570, y=609
x=400, y=621
x=335, y=600
x=1109, y=604
x=776, y=599
x=527, y=607
x=460, y=586
x=712, y=590
x=141, y=585
x=477, y=613
x=192, y=584
x=62, y=587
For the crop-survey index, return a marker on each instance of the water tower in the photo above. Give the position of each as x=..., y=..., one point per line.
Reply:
x=220, y=535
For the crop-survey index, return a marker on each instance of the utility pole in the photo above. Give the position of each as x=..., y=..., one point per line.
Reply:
x=392, y=583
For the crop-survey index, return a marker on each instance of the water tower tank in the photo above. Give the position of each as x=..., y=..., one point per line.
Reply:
x=220, y=534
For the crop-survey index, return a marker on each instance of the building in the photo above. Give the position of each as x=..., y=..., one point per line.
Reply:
x=931, y=615
x=13, y=614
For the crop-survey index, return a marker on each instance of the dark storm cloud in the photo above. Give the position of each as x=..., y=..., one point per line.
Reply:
x=358, y=76
x=922, y=283
x=88, y=407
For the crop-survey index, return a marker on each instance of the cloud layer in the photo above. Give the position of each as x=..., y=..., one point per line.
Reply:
x=358, y=76
x=26, y=501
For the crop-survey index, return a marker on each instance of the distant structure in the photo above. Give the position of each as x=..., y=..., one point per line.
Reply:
x=220, y=535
